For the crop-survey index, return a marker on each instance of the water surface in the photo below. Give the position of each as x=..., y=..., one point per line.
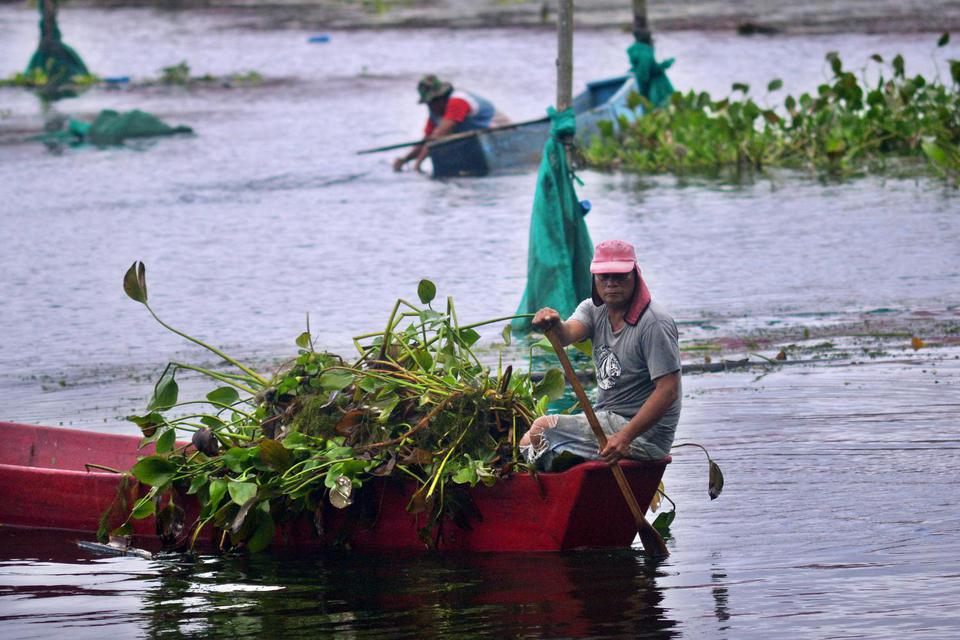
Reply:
x=839, y=515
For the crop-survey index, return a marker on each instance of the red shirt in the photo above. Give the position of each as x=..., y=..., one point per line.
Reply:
x=457, y=110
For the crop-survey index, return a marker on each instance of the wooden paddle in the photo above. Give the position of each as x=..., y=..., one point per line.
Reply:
x=650, y=538
x=455, y=136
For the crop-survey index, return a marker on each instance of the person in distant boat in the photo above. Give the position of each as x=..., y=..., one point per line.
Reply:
x=451, y=111
x=637, y=356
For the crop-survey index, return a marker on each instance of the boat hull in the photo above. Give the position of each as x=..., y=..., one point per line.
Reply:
x=43, y=484
x=519, y=148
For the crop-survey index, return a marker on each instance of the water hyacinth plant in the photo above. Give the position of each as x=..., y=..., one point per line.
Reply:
x=416, y=404
x=855, y=123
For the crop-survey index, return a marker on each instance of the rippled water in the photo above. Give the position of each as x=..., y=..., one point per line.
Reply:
x=839, y=515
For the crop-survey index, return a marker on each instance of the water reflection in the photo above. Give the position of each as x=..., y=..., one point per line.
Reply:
x=545, y=595
x=582, y=594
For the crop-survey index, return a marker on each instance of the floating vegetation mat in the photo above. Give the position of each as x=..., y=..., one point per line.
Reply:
x=859, y=121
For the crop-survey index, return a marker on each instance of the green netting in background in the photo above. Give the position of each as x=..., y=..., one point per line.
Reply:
x=560, y=249
x=652, y=81
x=53, y=57
x=112, y=128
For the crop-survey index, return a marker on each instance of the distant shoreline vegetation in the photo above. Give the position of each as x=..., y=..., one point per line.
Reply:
x=177, y=75
x=852, y=125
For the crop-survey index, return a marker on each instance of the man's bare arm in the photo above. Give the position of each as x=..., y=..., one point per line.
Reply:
x=570, y=331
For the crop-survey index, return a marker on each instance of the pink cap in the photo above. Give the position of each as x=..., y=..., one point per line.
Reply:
x=613, y=256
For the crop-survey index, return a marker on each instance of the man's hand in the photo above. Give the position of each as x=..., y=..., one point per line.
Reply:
x=546, y=319
x=618, y=446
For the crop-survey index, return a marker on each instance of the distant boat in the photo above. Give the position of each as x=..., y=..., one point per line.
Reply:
x=45, y=484
x=506, y=149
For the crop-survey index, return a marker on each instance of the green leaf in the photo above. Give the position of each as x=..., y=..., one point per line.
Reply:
x=148, y=424
x=468, y=336
x=552, y=385
x=155, y=471
x=585, y=347
x=426, y=291
x=263, y=534
x=774, y=85
x=144, y=507
x=663, y=521
x=166, y=440
x=223, y=395
x=335, y=380
x=241, y=492
x=303, y=340
x=898, y=66
x=739, y=86
x=542, y=404
x=542, y=343
x=212, y=421
x=506, y=334
x=877, y=58
x=196, y=484
x=836, y=64
x=218, y=488
x=275, y=455
x=135, y=282
x=466, y=474
x=770, y=116
x=423, y=359
x=944, y=39
x=236, y=458
x=165, y=392
x=633, y=100
x=715, y=485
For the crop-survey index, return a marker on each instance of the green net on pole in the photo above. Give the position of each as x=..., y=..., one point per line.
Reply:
x=560, y=249
x=58, y=61
x=652, y=81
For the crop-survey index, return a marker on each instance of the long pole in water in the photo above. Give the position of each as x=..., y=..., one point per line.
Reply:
x=564, y=54
x=565, y=62
x=641, y=27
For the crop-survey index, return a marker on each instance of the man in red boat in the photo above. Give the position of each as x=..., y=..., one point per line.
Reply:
x=450, y=112
x=637, y=357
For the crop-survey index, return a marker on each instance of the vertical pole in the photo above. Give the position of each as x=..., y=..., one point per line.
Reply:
x=48, y=9
x=564, y=54
x=641, y=28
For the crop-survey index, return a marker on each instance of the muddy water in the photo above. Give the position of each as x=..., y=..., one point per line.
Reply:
x=838, y=519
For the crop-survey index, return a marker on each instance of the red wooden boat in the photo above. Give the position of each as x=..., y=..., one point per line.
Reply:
x=45, y=484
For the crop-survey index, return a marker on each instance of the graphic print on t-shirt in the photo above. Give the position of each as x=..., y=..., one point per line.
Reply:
x=608, y=368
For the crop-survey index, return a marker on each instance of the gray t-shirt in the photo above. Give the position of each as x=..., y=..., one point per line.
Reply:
x=629, y=360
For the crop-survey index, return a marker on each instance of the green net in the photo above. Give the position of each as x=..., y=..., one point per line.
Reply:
x=112, y=128
x=560, y=250
x=652, y=81
x=59, y=62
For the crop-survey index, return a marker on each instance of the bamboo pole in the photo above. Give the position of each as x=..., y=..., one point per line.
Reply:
x=641, y=28
x=564, y=54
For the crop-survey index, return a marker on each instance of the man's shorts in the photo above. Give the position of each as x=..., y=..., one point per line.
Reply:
x=574, y=435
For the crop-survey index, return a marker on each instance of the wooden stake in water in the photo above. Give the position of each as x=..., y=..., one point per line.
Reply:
x=564, y=54
x=641, y=27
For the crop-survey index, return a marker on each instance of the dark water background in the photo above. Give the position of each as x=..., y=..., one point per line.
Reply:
x=840, y=514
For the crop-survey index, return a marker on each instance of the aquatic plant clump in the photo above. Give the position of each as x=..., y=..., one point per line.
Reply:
x=851, y=125
x=416, y=404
